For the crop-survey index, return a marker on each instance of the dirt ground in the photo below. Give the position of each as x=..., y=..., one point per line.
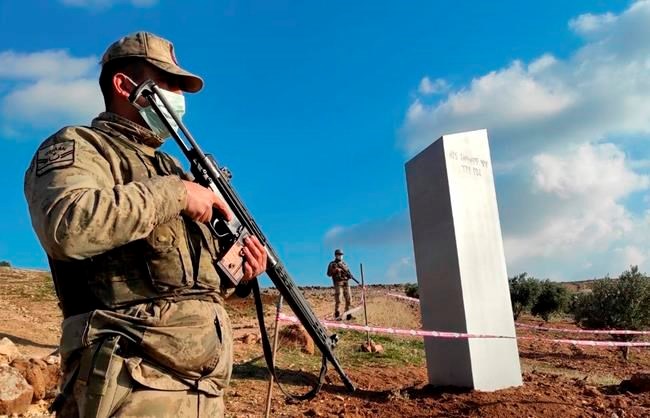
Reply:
x=559, y=380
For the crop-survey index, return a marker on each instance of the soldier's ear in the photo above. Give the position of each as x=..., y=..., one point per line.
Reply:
x=122, y=85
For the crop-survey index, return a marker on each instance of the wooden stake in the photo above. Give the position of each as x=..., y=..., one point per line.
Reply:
x=275, y=346
x=363, y=296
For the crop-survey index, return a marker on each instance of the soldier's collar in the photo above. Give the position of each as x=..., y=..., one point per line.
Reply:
x=115, y=124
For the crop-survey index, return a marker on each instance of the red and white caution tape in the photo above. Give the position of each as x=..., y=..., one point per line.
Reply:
x=397, y=295
x=585, y=331
x=591, y=343
x=460, y=335
x=395, y=331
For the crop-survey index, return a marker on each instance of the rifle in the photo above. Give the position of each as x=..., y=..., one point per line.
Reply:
x=350, y=276
x=347, y=274
x=231, y=235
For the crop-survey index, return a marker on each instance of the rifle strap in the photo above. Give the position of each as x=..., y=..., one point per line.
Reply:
x=268, y=352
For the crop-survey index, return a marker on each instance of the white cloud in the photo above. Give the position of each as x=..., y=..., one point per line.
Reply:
x=49, y=102
x=437, y=86
x=47, y=88
x=541, y=64
x=104, y=4
x=601, y=90
x=569, y=197
x=54, y=64
x=579, y=206
x=632, y=255
x=588, y=23
x=592, y=172
x=501, y=100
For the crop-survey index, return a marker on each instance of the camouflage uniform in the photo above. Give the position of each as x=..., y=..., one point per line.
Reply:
x=145, y=332
x=340, y=273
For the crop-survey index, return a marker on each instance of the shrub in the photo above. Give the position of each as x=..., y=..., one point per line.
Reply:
x=523, y=293
x=5, y=264
x=553, y=298
x=411, y=290
x=615, y=303
x=622, y=303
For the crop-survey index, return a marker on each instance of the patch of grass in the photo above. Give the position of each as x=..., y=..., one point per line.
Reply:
x=292, y=362
x=45, y=289
x=397, y=352
x=294, y=359
x=255, y=368
x=38, y=287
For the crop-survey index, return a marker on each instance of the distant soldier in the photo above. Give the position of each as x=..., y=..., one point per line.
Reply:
x=340, y=273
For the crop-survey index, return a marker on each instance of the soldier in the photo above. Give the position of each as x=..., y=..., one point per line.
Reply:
x=340, y=273
x=145, y=332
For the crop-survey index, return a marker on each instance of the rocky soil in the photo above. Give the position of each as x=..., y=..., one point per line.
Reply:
x=559, y=379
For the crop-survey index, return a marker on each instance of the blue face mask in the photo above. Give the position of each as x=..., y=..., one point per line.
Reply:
x=176, y=102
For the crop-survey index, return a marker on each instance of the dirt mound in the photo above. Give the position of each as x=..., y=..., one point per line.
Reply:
x=295, y=336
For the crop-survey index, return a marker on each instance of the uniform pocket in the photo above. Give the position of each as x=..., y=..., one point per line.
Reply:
x=103, y=383
x=168, y=257
x=220, y=368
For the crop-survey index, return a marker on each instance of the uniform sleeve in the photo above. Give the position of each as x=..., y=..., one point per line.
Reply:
x=78, y=211
x=330, y=270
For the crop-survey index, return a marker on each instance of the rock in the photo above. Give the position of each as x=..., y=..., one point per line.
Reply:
x=8, y=351
x=577, y=350
x=371, y=347
x=295, y=336
x=53, y=360
x=591, y=391
x=639, y=382
x=41, y=376
x=599, y=406
x=15, y=393
x=620, y=403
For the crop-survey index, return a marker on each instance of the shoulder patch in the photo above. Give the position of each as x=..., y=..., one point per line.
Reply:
x=53, y=156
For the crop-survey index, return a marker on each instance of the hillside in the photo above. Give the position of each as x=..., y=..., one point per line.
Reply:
x=559, y=379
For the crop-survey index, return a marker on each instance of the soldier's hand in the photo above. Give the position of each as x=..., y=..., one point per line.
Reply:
x=254, y=258
x=200, y=201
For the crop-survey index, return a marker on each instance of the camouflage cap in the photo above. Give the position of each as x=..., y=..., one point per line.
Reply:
x=155, y=50
x=338, y=252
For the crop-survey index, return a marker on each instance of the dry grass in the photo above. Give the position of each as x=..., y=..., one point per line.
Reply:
x=26, y=284
x=385, y=311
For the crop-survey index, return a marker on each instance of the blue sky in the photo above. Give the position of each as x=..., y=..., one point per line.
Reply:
x=316, y=106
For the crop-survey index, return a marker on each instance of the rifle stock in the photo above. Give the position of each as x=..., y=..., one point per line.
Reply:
x=232, y=233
